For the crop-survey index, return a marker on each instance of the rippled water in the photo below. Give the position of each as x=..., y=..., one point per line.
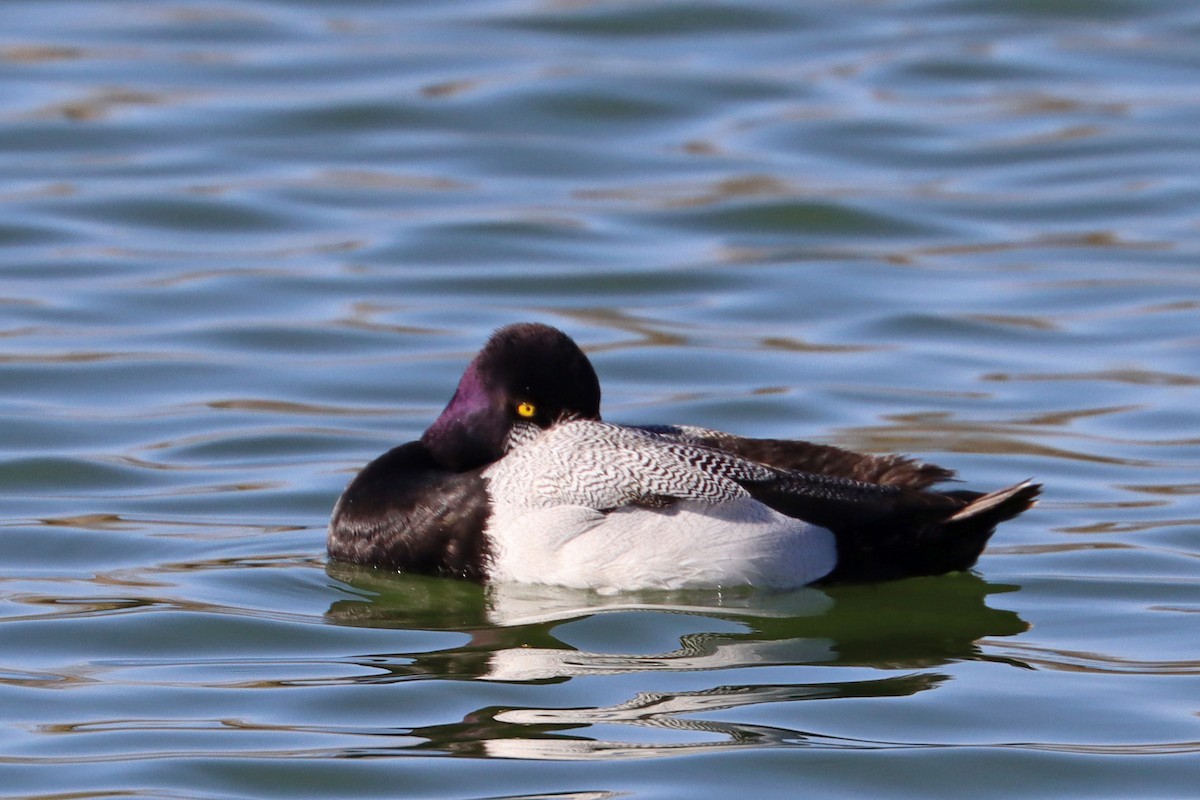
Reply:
x=246, y=246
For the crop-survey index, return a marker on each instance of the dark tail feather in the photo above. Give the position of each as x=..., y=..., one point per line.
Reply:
x=995, y=507
x=929, y=544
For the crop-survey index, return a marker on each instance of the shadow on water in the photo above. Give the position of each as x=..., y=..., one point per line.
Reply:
x=522, y=635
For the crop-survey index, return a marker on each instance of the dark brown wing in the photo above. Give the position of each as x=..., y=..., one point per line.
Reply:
x=824, y=459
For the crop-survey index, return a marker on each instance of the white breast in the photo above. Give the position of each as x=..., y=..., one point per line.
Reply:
x=548, y=524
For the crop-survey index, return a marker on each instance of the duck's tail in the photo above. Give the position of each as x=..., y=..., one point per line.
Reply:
x=996, y=507
x=929, y=541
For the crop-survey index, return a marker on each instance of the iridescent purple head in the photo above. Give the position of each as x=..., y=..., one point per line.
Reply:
x=526, y=373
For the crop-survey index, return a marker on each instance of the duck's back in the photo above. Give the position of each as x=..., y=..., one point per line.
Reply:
x=589, y=504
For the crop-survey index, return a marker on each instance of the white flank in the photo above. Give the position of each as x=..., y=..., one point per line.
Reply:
x=691, y=545
x=547, y=525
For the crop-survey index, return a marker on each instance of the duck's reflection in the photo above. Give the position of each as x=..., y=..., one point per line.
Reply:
x=521, y=632
x=524, y=634
x=542, y=733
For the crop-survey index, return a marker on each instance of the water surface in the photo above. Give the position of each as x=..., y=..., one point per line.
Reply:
x=247, y=246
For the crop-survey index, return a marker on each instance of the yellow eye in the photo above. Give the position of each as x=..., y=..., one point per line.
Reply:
x=526, y=410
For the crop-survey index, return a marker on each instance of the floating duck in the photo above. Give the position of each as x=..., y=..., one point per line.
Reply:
x=519, y=479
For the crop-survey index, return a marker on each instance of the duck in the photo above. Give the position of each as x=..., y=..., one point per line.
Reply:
x=519, y=479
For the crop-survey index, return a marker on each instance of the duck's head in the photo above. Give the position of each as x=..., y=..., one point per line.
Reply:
x=527, y=374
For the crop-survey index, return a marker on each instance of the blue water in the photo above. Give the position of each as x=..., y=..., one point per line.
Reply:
x=247, y=246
